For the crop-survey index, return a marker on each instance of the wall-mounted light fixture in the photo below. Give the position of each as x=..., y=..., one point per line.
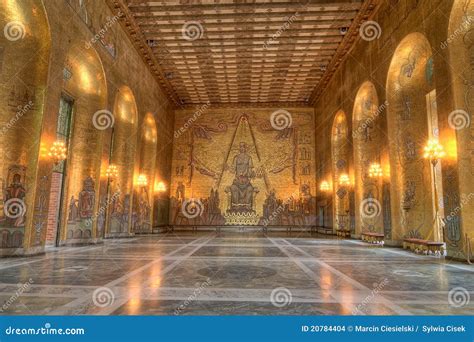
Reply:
x=375, y=170
x=58, y=151
x=344, y=179
x=112, y=172
x=142, y=180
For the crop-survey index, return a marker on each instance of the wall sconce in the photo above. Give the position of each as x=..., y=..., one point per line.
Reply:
x=325, y=186
x=142, y=181
x=160, y=187
x=344, y=179
x=58, y=151
x=434, y=151
x=375, y=170
x=112, y=172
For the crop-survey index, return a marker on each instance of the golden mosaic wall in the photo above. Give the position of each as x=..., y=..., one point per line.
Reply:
x=411, y=63
x=52, y=57
x=276, y=148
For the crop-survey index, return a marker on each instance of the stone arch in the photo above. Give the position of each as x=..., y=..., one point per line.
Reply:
x=25, y=45
x=367, y=139
x=84, y=82
x=144, y=194
x=411, y=121
x=459, y=199
x=124, y=140
x=340, y=148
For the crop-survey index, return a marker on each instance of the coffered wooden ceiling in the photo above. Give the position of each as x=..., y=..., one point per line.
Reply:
x=256, y=52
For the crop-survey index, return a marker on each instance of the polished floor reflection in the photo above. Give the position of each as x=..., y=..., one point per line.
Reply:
x=234, y=274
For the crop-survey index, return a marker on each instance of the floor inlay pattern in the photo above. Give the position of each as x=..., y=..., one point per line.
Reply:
x=233, y=274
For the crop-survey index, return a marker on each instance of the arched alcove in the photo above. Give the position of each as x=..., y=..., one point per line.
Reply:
x=124, y=140
x=367, y=140
x=84, y=87
x=142, y=208
x=25, y=45
x=458, y=199
x=340, y=148
x=412, y=120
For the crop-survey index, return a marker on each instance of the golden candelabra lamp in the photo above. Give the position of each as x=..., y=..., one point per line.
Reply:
x=325, y=187
x=434, y=151
x=375, y=170
x=112, y=172
x=160, y=187
x=58, y=151
x=142, y=181
x=344, y=179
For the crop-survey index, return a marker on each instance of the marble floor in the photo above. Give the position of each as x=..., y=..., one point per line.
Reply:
x=234, y=274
